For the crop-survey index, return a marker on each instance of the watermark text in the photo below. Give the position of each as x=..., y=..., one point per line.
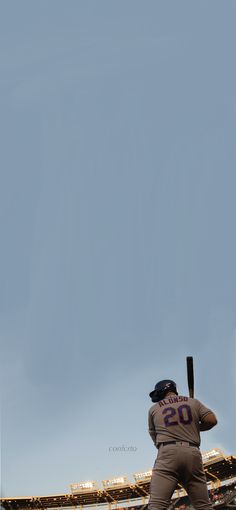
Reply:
x=122, y=448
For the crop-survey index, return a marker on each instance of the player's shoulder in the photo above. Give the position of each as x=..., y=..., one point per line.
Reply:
x=198, y=405
x=195, y=401
x=153, y=408
x=184, y=399
x=191, y=400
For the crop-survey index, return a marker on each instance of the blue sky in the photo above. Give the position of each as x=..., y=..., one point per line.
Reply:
x=117, y=210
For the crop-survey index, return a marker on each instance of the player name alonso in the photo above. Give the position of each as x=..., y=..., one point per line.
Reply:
x=172, y=400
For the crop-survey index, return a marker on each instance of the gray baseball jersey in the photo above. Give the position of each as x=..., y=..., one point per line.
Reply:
x=176, y=418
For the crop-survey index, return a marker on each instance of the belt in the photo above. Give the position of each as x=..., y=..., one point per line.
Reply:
x=178, y=443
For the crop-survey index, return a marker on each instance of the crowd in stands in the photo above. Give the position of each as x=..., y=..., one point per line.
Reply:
x=221, y=495
x=218, y=497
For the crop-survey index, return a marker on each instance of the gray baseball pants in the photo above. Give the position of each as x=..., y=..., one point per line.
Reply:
x=178, y=463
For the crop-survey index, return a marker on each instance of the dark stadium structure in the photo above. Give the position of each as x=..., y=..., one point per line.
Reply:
x=220, y=473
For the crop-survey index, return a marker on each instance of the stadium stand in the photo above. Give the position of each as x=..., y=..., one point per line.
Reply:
x=220, y=474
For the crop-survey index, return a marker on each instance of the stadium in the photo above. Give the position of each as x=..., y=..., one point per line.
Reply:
x=120, y=493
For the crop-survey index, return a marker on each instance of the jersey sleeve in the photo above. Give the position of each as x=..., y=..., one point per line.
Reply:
x=151, y=427
x=203, y=410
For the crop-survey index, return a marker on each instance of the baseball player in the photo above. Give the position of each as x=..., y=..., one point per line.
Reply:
x=175, y=423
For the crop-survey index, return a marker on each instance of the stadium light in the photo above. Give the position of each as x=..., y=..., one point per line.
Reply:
x=115, y=482
x=78, y=488
x=212, y=454
x=143, y=477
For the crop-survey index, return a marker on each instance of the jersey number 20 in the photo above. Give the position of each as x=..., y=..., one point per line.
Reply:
x=182, y=414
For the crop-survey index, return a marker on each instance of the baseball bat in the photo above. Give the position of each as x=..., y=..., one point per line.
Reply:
x=190, y=375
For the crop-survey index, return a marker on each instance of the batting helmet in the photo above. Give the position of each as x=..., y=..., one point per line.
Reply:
x=161, y=389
